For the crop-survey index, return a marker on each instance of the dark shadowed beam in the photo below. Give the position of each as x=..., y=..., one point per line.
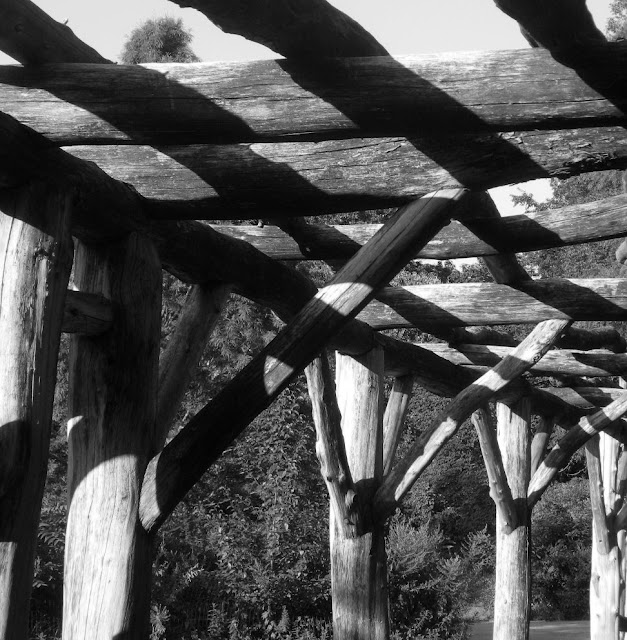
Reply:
x=31, y=36
x=481, y=236
x=292, y=28
x=559, y=25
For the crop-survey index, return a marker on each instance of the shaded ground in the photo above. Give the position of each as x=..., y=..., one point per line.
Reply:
x=579, y=630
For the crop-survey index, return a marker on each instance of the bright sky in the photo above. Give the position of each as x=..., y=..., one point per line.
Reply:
x=402, y=26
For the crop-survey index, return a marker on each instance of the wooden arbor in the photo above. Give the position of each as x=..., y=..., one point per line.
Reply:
x=131, y=173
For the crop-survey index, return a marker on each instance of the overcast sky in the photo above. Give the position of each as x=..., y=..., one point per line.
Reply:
x=402, y=26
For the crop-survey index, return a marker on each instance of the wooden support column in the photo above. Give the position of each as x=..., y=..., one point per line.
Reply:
x=359, y=565
x=35, y=263
x=111, y=437
x=602, y=453
x=512, y=584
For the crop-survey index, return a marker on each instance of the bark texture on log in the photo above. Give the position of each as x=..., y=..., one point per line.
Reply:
x=111, y=437
x=183, y=461
x=359, y=565
x=512, y=581
x=86, y=313
x=35, y=263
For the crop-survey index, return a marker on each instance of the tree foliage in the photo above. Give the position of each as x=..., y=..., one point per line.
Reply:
x=159, y=40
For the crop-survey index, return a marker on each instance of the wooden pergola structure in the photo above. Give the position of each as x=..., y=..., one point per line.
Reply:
x=112, y=170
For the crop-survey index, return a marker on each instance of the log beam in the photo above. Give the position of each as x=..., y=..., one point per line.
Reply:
x=36, y=258
x=32, y=37
x=481, y=236
x=402, y=477
x=598, y=363
x=273, y=100
x=394, y=418
x=184, y=349
x=577, y=436
x=431, y=307
x=174, y=471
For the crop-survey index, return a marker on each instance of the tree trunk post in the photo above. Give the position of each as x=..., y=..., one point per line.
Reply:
x=606, y=587
x=359, y=565
x=512, y=584
x=111, y=437
x=35, y=263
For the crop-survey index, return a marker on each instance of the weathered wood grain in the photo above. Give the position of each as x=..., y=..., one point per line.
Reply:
x=402, y=477
x=185, y=458
x=32, y=37
x=600, y=220
x=270, y=100
x=35, y=263
x=359, y=590
x=600, y=363
x=111, y=437
x=450, y=305
x=231, y=181
x=539, y=442
x=512, y=584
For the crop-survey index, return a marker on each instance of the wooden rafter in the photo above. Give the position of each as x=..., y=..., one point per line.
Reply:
x=404, y=474
x=32, y=37
x=174, y=471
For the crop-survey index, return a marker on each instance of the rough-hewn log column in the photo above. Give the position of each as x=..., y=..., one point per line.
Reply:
x=35, y=262
x=511, y=591
x=111, y=436
x=359, y=565
x=602, y=454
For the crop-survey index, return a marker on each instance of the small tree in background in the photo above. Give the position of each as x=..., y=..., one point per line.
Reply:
x=159, y=40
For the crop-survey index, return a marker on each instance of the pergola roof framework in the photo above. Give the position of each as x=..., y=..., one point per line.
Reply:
x=42, y=158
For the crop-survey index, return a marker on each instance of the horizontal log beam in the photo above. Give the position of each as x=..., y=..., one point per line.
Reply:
x=450, y=305
x=555, y=362
x=32, y=37
x=270, y=100
x=575, y=224
x=308, y=178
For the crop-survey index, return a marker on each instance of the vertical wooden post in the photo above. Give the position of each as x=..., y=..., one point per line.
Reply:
x=512, y=584
x=602, y=453
x=359, y=565
x=35, y=263
x=111, y=437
